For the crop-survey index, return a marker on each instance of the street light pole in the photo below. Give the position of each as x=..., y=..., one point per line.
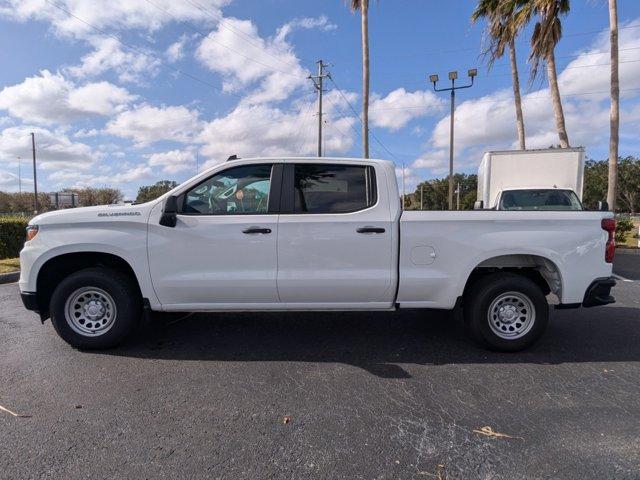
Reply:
x=19, y=174
x=35, y=177
x=452, y=76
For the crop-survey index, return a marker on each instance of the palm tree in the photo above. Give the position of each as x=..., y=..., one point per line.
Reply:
x=615, y=108
x=546, y=35
x=502, y=31
x=363, y=6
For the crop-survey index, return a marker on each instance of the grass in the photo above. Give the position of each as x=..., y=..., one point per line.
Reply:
x=9, y=265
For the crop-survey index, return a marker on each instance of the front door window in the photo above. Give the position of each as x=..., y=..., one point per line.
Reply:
x=236, y=191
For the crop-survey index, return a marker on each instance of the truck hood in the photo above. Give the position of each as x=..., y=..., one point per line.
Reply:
x=94, y=214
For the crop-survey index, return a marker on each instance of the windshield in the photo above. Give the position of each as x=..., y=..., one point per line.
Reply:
x=543, y=199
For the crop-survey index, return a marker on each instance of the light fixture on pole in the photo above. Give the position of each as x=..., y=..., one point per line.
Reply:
x=453, y=76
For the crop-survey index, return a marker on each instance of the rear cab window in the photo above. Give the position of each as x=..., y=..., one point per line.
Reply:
x=332, y=188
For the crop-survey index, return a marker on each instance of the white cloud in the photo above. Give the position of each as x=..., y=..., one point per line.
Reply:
x=399, y=107
x=244, y=58
x=321, y=22
x=146, y=124
x=49, y=98
x=108, y=54
x=118, y=14
x=255, y=130
x=84, y=133
x=173, y=161
x=175, y=51
x=125, y=177
x=53, y=148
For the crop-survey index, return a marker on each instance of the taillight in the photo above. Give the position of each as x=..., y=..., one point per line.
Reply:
x=32, y=231
x=609, y=225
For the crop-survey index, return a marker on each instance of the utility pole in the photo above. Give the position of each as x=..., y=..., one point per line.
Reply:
x=458, y=197
x=452, y=76
x=35, y=176
x=317, y=83
x=19, y=174
x=403, y=189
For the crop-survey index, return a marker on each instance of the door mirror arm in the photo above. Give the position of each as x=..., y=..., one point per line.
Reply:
x=169, y=216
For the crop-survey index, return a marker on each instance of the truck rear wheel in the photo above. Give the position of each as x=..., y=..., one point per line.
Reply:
x=95, y=308
x=506, y=312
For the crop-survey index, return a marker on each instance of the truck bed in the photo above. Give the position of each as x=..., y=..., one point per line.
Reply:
x=440, y=250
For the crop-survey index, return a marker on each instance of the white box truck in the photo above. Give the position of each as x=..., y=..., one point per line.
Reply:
x=549, y=179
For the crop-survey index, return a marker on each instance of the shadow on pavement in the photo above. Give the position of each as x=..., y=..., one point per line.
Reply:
x=379, y=342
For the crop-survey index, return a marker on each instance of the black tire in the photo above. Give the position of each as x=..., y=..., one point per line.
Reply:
x=124, y=293
x=479, y=300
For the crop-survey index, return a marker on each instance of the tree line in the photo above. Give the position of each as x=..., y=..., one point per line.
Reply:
x=23, y=203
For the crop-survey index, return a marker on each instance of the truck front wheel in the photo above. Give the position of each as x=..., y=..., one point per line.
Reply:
x=95, y=308
x=506, y=312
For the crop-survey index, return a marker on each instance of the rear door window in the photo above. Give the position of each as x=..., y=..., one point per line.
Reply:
x=333, y=188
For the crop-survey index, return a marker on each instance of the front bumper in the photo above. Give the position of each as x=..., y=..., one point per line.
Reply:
x=599, y=292
x=30, y=301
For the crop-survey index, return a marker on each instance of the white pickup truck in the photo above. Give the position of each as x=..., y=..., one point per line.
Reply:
x=298, y=234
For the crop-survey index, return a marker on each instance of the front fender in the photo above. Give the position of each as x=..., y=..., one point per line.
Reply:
x=52, y=241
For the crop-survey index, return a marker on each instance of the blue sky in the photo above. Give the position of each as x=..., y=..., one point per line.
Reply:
x=145, y=90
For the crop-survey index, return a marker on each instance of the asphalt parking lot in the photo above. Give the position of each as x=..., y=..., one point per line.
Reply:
x=335, y=396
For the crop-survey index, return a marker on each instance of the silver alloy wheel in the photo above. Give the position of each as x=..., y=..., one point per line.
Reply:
x=511, y=315
x=90, y=311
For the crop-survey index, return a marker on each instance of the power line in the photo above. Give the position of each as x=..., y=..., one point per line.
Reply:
x=375, y=137
x=300, y=138
x=358, y=133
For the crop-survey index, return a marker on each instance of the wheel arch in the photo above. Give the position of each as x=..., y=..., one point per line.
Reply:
x=56, y=268
x=543, y=271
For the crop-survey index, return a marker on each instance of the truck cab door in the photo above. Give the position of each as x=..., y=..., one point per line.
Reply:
x=335, y=237
x=221, y=254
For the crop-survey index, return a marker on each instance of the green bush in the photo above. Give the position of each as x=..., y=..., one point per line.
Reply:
x=624, y=226
x=12, y=236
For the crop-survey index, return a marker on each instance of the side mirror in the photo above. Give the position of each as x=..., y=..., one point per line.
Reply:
x=603, y=206
x=478, y=205
x=169, y=216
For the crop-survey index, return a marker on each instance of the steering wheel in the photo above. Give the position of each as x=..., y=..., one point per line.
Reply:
x=215, y=205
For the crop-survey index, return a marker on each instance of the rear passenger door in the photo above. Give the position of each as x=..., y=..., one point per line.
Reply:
x=335, y=237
